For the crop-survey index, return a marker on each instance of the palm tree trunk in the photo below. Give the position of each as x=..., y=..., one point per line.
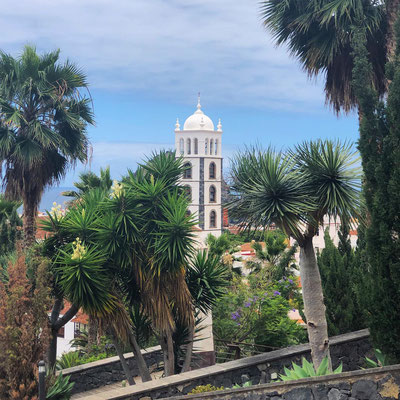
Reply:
x=189, y=350
x=125, y=366
x=141, y=362
x=29, y=222
x=392, y=7
x=168, y=351
x=314, y=307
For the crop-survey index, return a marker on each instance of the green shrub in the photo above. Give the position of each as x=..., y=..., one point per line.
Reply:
x=205, y=388
x=307, y=370
x=246, y=384
x=74, y=358
x=382, y=361
x=60, y=389
x=69, y=360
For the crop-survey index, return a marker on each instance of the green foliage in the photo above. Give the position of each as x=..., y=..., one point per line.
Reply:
x=206, y=279
x=381, y=360
x=380, y=150
x=315, y=179
x=318, y=35
x=244, y=385
x=127, y=256
x=338, y=268
x=69, y=360
x=43, y=119
x=307, y=370
x=205, y=388
x=74, y=358
x=255, y=311
x=60, y=389
x=88, y=181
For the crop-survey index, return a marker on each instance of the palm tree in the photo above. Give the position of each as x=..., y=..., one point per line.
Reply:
x=318, y=33
x=295, y=191
x=43, y=118
x=89, y=180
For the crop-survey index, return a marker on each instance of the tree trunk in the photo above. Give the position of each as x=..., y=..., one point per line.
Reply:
x=92, y=333
x=52, y=350
x=125, y=366
x=55, y=324
x=314, y=307
x=168, y=352
x=142, y=366
x=392, y=7
x=29, y=222
x=189, y=350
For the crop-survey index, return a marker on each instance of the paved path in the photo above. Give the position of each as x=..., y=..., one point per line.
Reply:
x=104, y=389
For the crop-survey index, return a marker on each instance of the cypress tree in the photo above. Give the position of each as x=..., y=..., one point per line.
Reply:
x=336, y=266
x=379, y=146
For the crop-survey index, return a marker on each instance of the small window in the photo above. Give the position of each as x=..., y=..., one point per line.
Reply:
x=216, y=146
x=211, y=146
x=187, y=173
x=213, y=194
x=213, y=219
x=188, y=148
x=196, y=146
x=181, y=146
x=212, y=170
x=188, y=192
x=206, y=147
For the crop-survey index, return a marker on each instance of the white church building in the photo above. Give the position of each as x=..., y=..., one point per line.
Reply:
x=200, y=145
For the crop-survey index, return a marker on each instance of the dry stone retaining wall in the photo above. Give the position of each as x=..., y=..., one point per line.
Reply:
x=104, y=372
x=350, y=349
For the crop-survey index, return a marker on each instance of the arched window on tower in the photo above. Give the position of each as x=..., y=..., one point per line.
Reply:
x=206, y=147
x=216, y=146
x=196, y=146
x=188, y=192
x=213, y=194
x=211, y=147
x=187, y=173
x=213, y=219
x=212, y=172
x=188, y=146
x=181, y=146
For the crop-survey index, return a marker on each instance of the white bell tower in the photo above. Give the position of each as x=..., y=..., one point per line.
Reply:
x=200, y=145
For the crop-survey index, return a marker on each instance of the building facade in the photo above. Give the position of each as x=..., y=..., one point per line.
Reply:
x=200, y=145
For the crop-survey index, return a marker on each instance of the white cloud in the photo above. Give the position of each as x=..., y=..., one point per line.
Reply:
x=166, y=49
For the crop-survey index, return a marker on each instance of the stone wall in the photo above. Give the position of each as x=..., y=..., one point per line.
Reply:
x=349, y=349
x=372, y=384
x=104, y=372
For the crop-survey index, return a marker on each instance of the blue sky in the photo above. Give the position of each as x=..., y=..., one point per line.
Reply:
x=147, y=59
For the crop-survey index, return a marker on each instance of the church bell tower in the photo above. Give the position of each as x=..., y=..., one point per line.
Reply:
x=200, y=145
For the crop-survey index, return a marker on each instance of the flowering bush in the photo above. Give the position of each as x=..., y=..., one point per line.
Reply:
x=255, y=310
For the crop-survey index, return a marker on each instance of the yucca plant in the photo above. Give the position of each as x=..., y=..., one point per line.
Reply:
x=307, y=370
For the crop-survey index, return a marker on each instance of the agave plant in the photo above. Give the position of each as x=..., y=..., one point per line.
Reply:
x=381, y=360
x=307, y=370
x=60, y=389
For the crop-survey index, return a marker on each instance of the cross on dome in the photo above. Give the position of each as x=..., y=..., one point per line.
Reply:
x=198, y=121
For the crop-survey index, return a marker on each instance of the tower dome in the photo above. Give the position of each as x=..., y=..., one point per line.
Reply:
x=198, y=121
